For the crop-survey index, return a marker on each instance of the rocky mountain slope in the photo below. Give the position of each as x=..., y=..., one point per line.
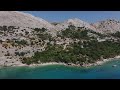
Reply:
x=107, y=26
x=15, y=18
x=76, y=22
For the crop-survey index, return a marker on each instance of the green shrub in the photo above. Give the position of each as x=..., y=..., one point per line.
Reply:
x=22, y=42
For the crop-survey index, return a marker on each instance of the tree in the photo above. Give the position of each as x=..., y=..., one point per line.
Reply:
x=71, y=27
x=4, y=28
x=117, y=34
x=26, y=32
x=10, y=28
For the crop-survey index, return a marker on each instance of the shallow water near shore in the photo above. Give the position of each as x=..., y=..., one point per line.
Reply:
x=106, y=71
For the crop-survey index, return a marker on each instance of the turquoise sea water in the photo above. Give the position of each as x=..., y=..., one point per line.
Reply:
x=106, y=71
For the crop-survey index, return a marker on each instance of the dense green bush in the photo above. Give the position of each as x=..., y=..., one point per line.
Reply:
x=20, y=53
x=79, y=33
x=40, y=29
x=117, y=34
x=21, y=42
x=4, y=28
x=26, y=60
x=45, y=36
x=74, y=34
x=91, y=52
x=26, y=32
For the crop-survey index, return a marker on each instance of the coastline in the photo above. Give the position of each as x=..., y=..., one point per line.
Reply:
x=68, y=64
x=46, y=64
x=101, y=61
x=71, y=64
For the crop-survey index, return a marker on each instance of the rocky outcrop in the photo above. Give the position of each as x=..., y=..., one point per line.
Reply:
x=76, y=22
x=107, y=26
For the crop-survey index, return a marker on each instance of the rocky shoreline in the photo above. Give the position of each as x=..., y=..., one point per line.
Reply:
x=18, y=64
x=77, y=65
x=102, y=61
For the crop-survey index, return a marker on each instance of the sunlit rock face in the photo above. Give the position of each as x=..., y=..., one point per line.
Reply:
x=76, y=22
x=107, y=26
x=15, y=18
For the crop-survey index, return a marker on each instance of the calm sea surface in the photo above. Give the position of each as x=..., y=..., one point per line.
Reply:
x=106, y=71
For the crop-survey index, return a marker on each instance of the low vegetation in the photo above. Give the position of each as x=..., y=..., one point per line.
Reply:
x=21, y=42
x=87, y=49
x=90, y=53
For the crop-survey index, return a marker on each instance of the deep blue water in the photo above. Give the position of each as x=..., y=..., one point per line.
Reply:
x=106, y=71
